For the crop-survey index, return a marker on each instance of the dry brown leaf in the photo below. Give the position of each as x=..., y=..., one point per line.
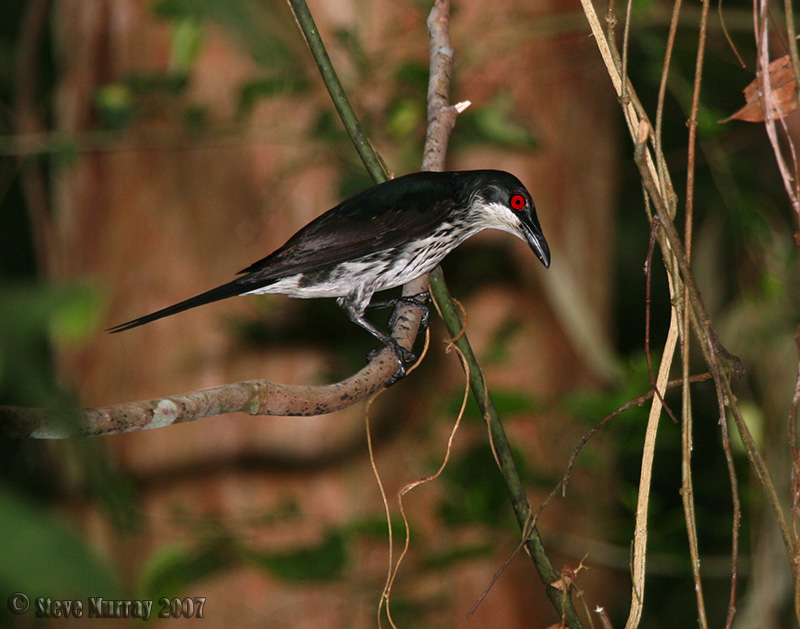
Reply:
x=784, y=94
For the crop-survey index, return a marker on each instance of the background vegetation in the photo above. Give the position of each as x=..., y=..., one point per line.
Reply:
x=292, y=531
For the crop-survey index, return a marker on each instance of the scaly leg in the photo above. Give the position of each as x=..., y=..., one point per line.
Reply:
x=417, y=300
x=402, y=355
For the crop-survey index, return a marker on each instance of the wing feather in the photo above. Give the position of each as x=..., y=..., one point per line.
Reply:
x=380, y=217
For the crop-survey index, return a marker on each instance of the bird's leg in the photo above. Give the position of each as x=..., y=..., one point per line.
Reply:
x=417, y=300
x=402, y=355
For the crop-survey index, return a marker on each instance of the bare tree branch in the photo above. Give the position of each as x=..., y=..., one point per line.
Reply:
x=255, y=397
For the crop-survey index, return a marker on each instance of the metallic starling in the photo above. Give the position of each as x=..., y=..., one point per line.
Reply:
x=381, y=238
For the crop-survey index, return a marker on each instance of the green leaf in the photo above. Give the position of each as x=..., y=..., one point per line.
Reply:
x=494, y=123
x=475, y=490
x=41, y=556
x=75, y=318
x=187, y=39
x=173, y=567
x=456, y=556
x=377, y=528
x=324, y=561
x=405, y=117
x=250, y=93
x=412, y=77
x=30, y=317
x=115, y=104
x=498, y=351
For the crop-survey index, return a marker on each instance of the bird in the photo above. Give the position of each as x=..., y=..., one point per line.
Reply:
x=381, y=238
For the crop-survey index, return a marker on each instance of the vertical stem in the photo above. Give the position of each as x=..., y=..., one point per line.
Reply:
x=639, y=558
x=662, y=90
x=687, y=489
x=791, y=38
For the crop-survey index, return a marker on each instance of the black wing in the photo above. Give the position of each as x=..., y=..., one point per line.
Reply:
x=380, y=217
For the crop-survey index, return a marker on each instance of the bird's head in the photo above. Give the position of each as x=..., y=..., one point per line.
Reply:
x=498, y=200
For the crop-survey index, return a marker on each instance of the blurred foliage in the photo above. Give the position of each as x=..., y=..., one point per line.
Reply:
x=322, y=561
x=33, y=539
x=253, y=92
x=742, y=223
x=137, y=96
x=494, y=123
x=475, y=489
x=187, y=40
x=174, y=567
x=507, y=402
x=31, y=317
x=265, y=29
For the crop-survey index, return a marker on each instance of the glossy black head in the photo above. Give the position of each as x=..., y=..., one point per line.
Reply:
x=500, y=201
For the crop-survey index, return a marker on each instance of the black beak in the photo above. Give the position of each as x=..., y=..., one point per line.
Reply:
x=535, y=238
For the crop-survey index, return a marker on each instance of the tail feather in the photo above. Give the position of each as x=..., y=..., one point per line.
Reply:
x=215, y=294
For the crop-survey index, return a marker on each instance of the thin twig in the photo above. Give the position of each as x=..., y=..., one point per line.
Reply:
x=727, y=35
x=769, y=107
x=639, y=558
x=687, y=485
x=392, y=569
x=448, y=451
x=791, y=37
x=611, y=24
x=662, y=89
x=626, y=37
x=648, y=266
x=735, y=524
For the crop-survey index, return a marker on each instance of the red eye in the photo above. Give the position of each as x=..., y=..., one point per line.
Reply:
x=517, y=201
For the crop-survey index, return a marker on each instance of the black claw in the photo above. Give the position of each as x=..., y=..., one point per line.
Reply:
x=397, y=375
x=417, y=301
x=373, y=353
x=401, y=355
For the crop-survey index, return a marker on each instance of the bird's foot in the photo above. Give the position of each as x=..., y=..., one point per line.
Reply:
x=401, y=355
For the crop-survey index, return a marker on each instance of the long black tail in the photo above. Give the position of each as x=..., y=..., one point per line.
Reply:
x=215, y=294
